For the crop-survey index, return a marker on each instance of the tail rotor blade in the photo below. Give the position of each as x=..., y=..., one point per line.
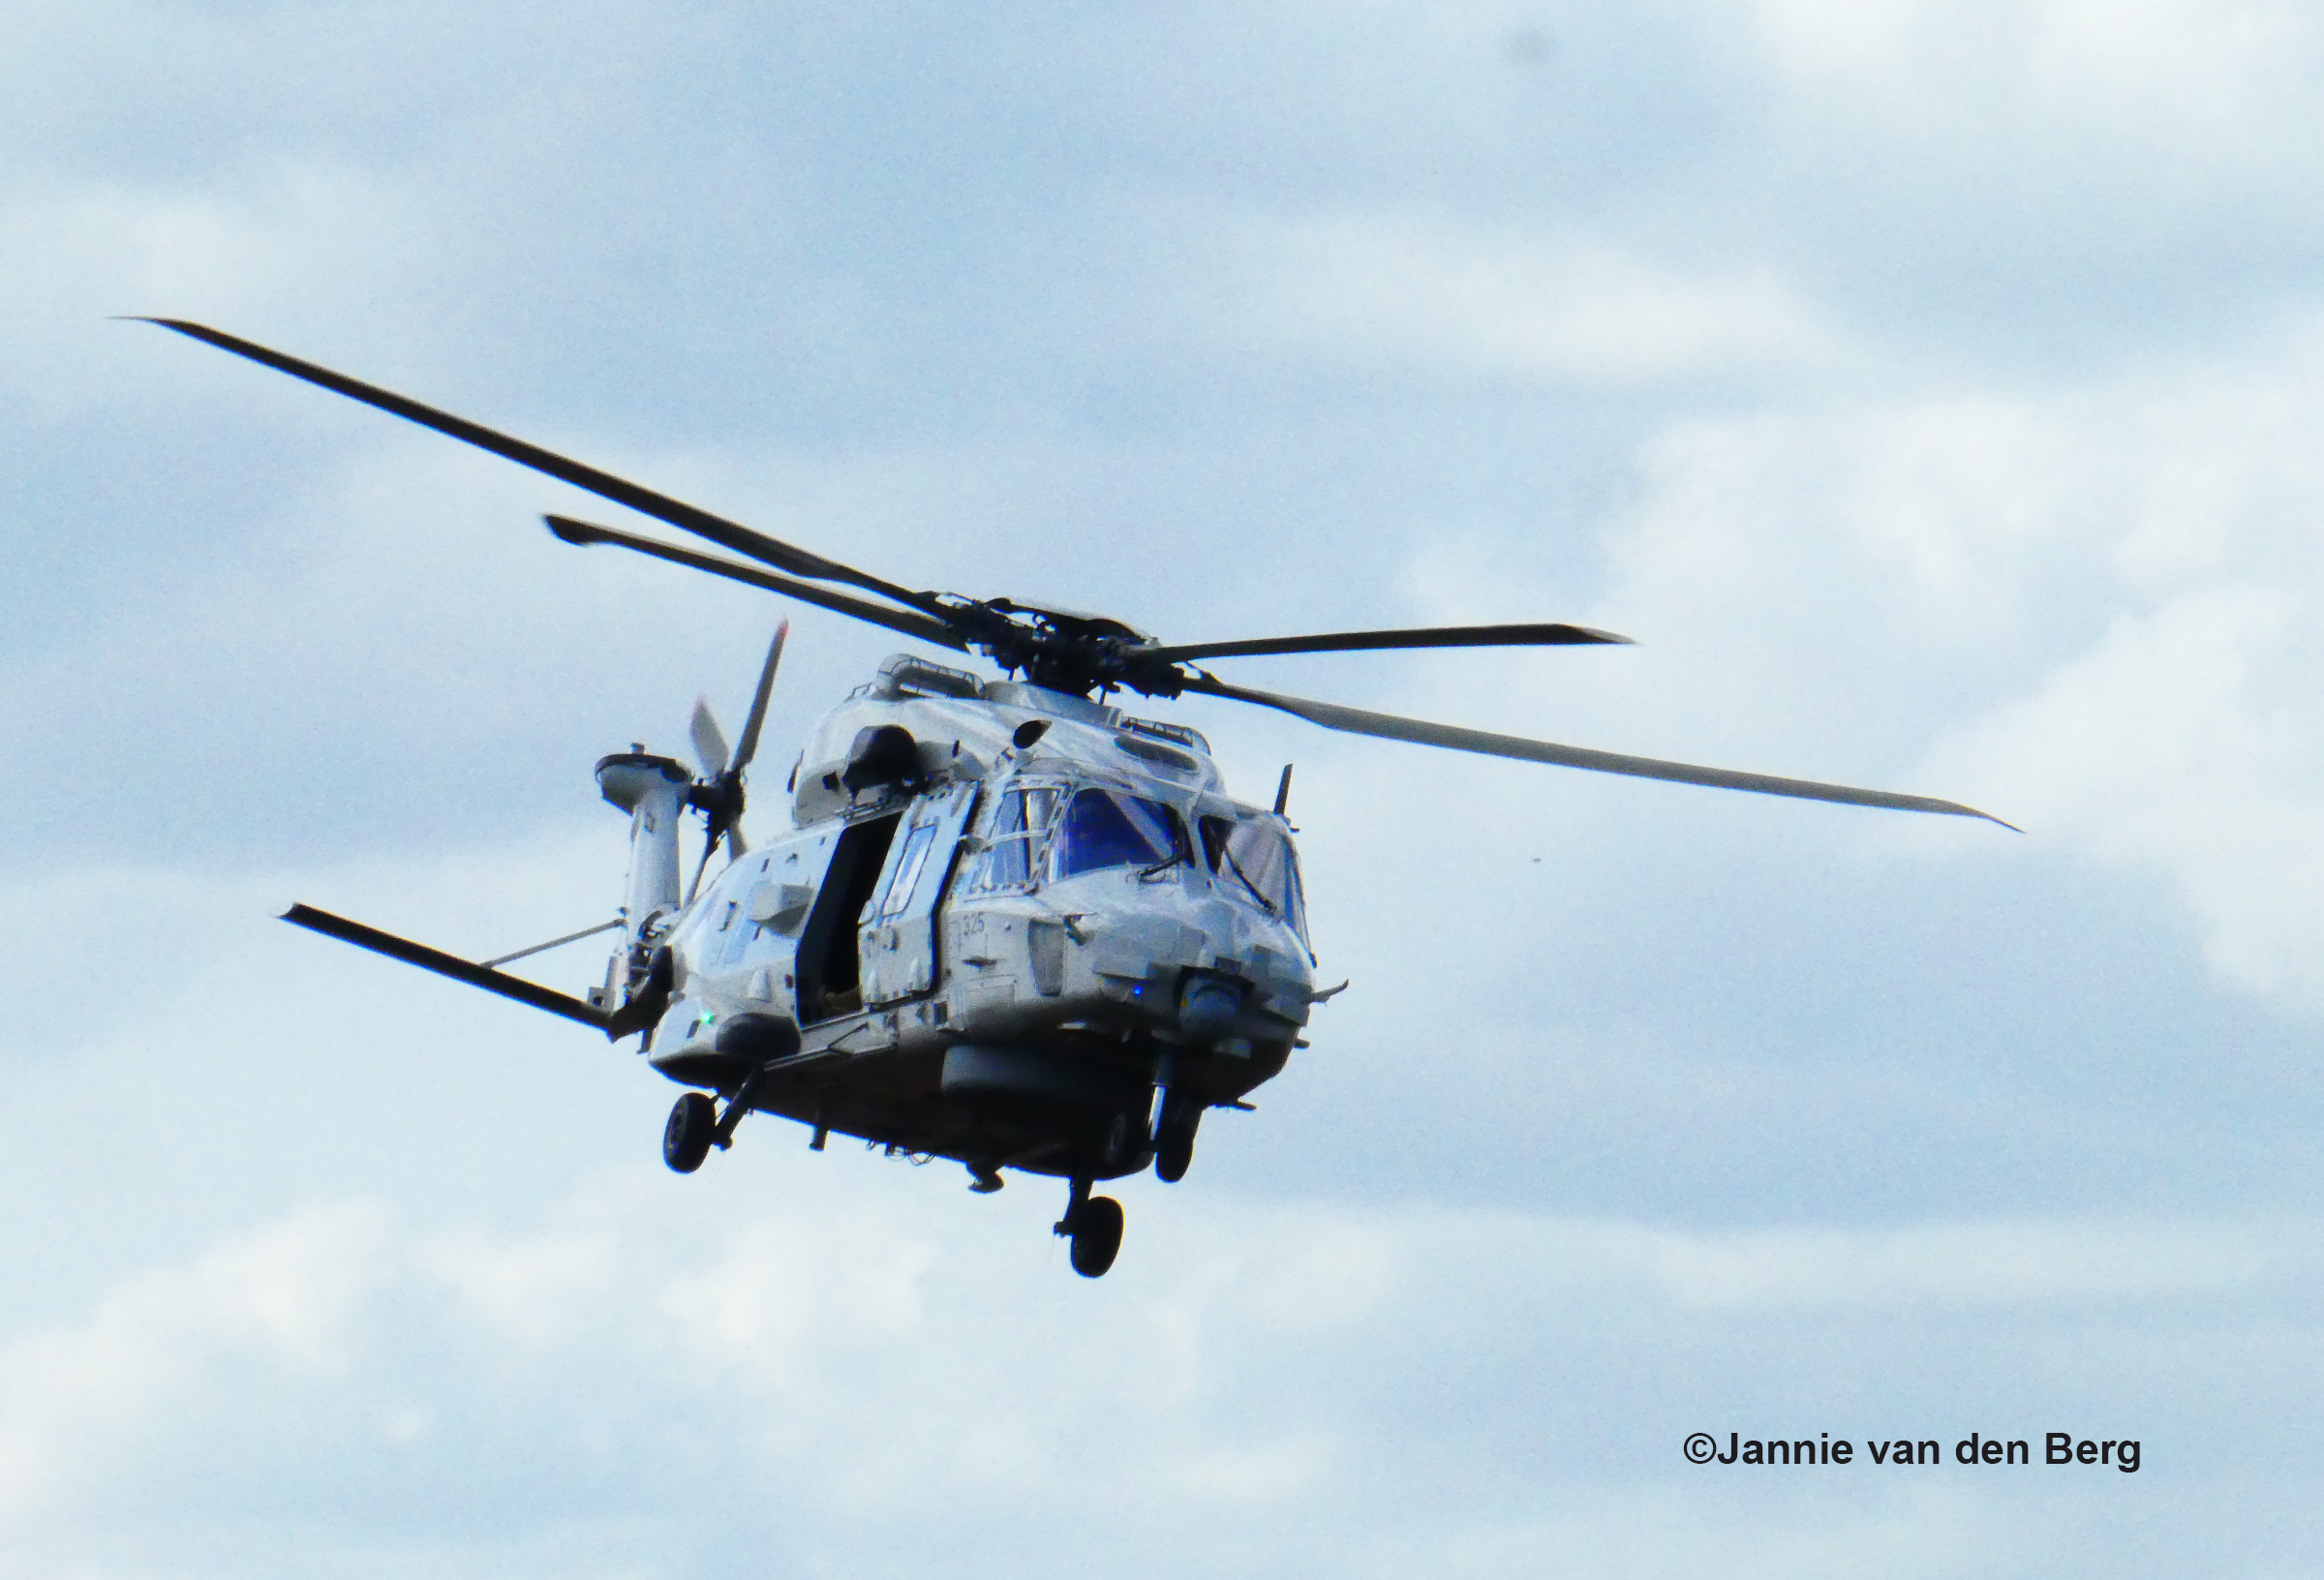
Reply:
x=749, y=749
x=720, y=794
x=710, y=742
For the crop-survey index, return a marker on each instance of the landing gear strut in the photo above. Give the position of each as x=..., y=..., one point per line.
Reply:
x=1093, y=1229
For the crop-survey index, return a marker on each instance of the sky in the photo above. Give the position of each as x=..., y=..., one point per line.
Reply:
x=1936, y=393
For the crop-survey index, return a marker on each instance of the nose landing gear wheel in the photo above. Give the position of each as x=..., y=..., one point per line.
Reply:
x=1174, y=1152
x=685, y=1139
x=1094, y=1235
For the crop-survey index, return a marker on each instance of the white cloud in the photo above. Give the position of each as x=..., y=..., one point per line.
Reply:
x=171, y=249
x=2166, y=746
x=2091, y=610
x=2204, y=85
x=270, y=1312
x=1438, y=297
x=855, y=1363
x=1994, y=1266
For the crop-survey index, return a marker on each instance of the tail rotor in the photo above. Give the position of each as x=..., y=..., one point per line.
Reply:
x=718, y=793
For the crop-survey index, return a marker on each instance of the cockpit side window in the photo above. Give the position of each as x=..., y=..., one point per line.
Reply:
x=1111, y=828
x=1014, y=841
x=1255, y=863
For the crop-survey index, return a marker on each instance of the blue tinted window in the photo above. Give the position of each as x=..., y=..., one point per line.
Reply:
x=1106, y=827
x=1254, y=862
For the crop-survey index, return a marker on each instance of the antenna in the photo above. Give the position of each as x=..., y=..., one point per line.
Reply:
x=1283, y=790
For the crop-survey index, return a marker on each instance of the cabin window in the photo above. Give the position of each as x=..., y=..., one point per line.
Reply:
x=1254, y=862
x=1107, y=828
x=1012, y=854
x=908, y=872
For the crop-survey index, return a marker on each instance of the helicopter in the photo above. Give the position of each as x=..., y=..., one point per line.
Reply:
x=1012, y=924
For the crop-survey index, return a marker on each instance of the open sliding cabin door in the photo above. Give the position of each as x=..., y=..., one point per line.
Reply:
x=899, y=943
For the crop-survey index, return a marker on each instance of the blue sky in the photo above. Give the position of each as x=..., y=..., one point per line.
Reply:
x=1933, y=392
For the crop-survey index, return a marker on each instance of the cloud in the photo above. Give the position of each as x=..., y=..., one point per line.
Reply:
x=1438, y=300
x=2164, y=748
x=2000, y=1265
x=2212, y=85
x=870, y=1360
x=78, y=253
x=267, y=1314
x=2088, y=610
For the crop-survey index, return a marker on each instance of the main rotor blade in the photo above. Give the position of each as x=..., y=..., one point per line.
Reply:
x=748, y=748
x=645, y=500
x=902, y=622
x=1390, y=727
x=1435, y=636
x=710, y=742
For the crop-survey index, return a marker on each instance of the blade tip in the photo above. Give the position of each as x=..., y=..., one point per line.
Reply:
x=1959, y=809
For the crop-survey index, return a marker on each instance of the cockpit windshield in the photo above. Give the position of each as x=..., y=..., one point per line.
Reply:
x=1012, y=858
x=1111, y=828
x=1254, y=862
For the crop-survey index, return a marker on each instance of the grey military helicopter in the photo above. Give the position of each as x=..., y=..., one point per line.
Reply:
x=1010, y=924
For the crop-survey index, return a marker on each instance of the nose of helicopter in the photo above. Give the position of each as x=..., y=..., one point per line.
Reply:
x=1207, y=1009
x=1217, y=964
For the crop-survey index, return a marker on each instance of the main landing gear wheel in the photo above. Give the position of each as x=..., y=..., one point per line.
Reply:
x=1093, y=1230
x=693, y=1125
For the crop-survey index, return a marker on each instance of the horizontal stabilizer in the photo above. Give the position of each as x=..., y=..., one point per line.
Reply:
x=447, y=965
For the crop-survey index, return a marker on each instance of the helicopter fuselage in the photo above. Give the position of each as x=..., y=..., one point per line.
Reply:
x=1010, y=927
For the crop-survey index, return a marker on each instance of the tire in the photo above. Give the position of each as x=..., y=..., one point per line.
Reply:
x=686, y=1138
x=1174, y=1153
x=1096, y=1236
